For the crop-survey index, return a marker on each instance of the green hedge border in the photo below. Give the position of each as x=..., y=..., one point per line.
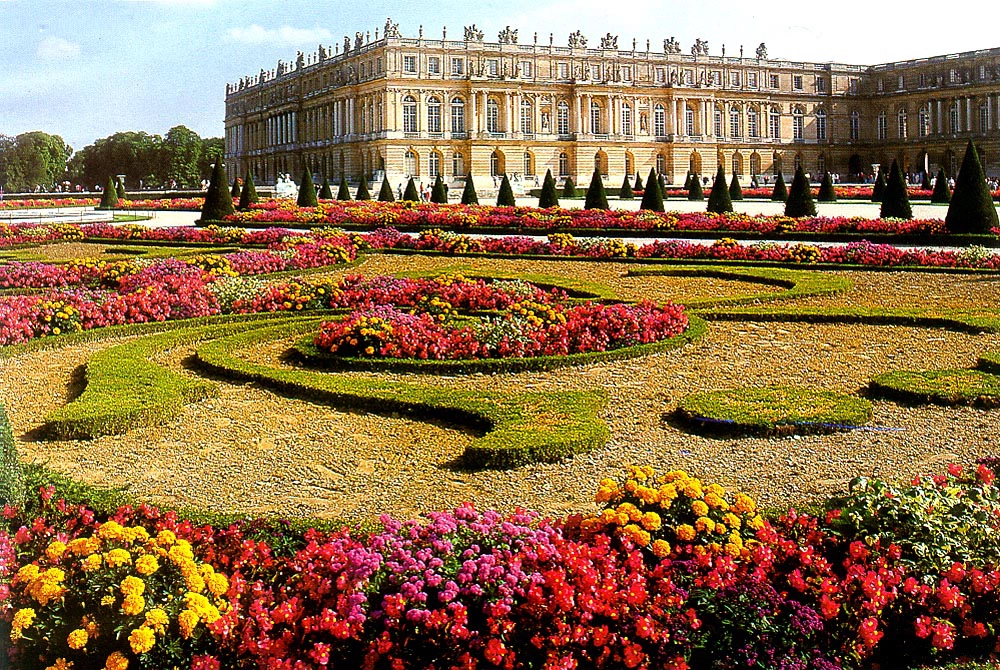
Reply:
x=940, y=387
x=12, y=488
x=958, y=322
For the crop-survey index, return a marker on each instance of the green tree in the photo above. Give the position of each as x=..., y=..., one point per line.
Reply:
x=410, y=192
x=439, y=194
x=826, y=190
x=109, y=197
x=505, y=198
x=941, y=193
x=687, y=181
x=925, y=181
x=218, y=202
x=695, y=191
x=548, y=197
x=569, y=188
x=325, y=192
x=638, y=180
x=719, y=200
x=971, y=209
x=469, y=196
x=138, y=155
x=210, y=146
x=307, y=191
x=735, y=190
x=343, y=193
x=34, y=159
x=800, y=201
x=363, y=194
x=780, y=191
x=895, y=202
x=652, y=197
x=182, y=152
x=596, y=196
x=626, y=190
x=878, y=190
x=249, y=195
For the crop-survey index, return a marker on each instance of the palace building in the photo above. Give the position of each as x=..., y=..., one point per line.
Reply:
x=422, y=107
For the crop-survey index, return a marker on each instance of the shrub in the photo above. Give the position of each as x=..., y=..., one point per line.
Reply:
x=548, y=197
x=695, y=191
x=343, y=193
x=596, y=197
x=325, y=192
x=569, y=188
x=925, y=181
x=735, y=190
x=826, y=190
x=800, y=201
x=941, y=192
x=249, y=195
x=120, y=188
x=505, y=198
x=469, y=196
x=687, y=181
x=625, y=193
x=410, y=192
x=780, y=192
x=109, y=198
x=307, y=190
x=895, y=203
x=11, y=474
x=638, y=179
x=652, y=197
x=878, y=190
x=218, y=203
x=439, y=194
x=972, y=209
x=364, y=194
x=236, y=189
x=719, y=201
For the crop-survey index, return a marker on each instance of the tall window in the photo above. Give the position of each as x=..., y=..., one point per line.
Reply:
x=434, y=164
x=626, y=122
x=855, y=125
x=433, y=115
x=492, y=67
x=901, y=124
x=457, y=116
x=457, y=164
x=661, y=164
x=492, y=116
x=527, y=125
x=495, y=164
x=562, y=118
x=755, y=164
x=457, y=67
x=689, y=121
x=924, y=122
x=821, y=165
x=820, y=124
x=526, y=68
x=752, y=128
x=563, y=164
x=717, y=117
x=529, y=164
x=984, y=118
x=599, y=165
x=409, y=114
x=410, y=163
x=881, y=126
x=735, y=127
x=628, y=163
x=595, y=118
x=410, y=64
x=659, y=121
x=737, y=165
x=433, y=65
x=953, y=122
x=797, y=123
x=774, y=121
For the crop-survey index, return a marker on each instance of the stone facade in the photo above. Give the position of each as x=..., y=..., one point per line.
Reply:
x=423, y=107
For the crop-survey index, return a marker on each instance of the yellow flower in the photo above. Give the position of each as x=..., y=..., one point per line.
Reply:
x=107, y=601
x=716, y=502
x=77, y=639
x=699, y=508
x=651, y=521
x=704, y=524
x=668, y=493
x=733, y=550
x=136, y=533
x=92, y=562
x=60, y=664
x=756, y=523
x=187, y=621
x=116, y=661
x=744, y=504
x=141, y=640
x=165, y=538
x=132, y=586
x=110, y=530
x=55, y=550
x=146, y=564
x=133, y=604
x=82, y=546
x=23, y=618
x=684, y=532
x=218, y=584
x=90, y=626
x=720, y=528
x=117, y=557
x=157, y=619
x=194, y=582
x=27, y=573
x=732, y=520
x=661, y=548
x=716, y=490
x=637, y=534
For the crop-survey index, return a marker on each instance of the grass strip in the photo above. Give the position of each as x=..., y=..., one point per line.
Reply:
x=989, y=362
x=939, y=387
x=954, y=321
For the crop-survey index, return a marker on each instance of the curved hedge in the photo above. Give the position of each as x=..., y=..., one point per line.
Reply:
x=989, y=362
x=11, y=474
x=939, y=387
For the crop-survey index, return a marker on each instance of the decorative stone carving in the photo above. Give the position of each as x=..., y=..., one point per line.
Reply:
x=322, y=52
x=577, y=40
x=281, y=68
x=609, y=41
x=473, y=34
x=300, y=61
x=391, y=29
x=359, y=40
x=508, y=36
x=762, y=51
x=347, y=44
x=699, y=48
x=671, y=46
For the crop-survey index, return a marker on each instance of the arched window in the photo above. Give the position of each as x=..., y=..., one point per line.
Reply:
x=457, y=164
x=599, y=163
x=774, y=123
x=433, y=115
x=492, y=116
x=627, y=123
x=735, y=127
x=411, y=164
x=595, y=118
x=661, y=164
x=527, y=117
x=529, y=164
x=798, y=123
x=434, y=164
x=562, y=118
x=659, y=121
x=954, y=124
x=855, y=125
x=881, y=129
x=901, y=123
x=496, y=164
x=563, y=164
x=628, y=163
x=753, y=129
x=924, y=122
x=737, y=165
x=409, y=114
x=457, y=116
x=754, y=164
x=820, y=124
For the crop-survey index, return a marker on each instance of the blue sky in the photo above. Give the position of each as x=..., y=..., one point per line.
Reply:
x=86, y=69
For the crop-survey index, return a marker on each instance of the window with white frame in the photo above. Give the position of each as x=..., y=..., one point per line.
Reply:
x=457, y=115
x=855, y=125
x=735, y=123
x=880, y=128
x=410, y=163
x=562, y=118
x=659, y=121
x=797, y=123
x=717, y=125
x=492, y=116
x=982, y=72
x=527, y=117
x=529, y=164
x=821, y=165
x=595, y=118
x=901, y=124
x=595, y=72
x=821, y=84
x=627, y=73
x=457, y=164
x=924, y=122
x=492, y=67
x=752, y=79
x=775, y=81
x=923, y=80
x=661, y=164
x=661, y=75
x=901, y=83
x=984, y=118
x=626, y=121
x=734, y=78
x=852, y=86
x=563, y=164
x=952, y=76
x=736, y=165
x=409, y=64
x=433, y=115
x=409, y=114
x=880, y=85
x=753, y=130
x=797, y=82
x=457, y=67
x=715, y=78
x=689, y=120
x=774, y=123
x=820, y=124
x=526, y=68
x=563, y=70
x=689, y=77
x=434, y=164
x=433, y=65
x=953, y=120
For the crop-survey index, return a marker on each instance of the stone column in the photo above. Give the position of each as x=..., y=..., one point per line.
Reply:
x=537, y=121
x=940, y=125
x=422, y=112
x=968, y=114
x=473, y=125
x=577, y=122
x=585, y=118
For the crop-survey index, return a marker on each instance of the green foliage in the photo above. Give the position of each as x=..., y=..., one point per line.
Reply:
x=695, y=191
x=307, y=191
x=800, y=200
x=548, y=197
x=596, y=197
x=569, y=188
x=735, y=190
x=687, y=180
x=363, y=194
x=236, y=189
x=181, y=152
x=719, y=201
x=109, y=197
x=438, y=193
x=343, y=192
x=625, y=193
x=895, y=202
x=878, y=190
x=638, y=180
x=469, y=196
x=780, y=192
x=505, y=198
x=826, y=190
x=990, y=362
x=249, y=195
x=773, y=410
x=218, y=202
x=120, y=188
x=410, y=192
x=652, y=196
x=940, y=387
x=11, y=475
x=325, y=192
x=972, y=209
x=941, y=192
x=925, y=181
x=34, y=159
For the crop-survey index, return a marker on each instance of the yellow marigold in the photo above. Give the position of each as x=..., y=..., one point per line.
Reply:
x=187, y=621
x=684, y=532
x=218, y=584
x=661, y=548
x=165, y=538
x=744, y=504
x=732, y=550
x=181, y=552
x=699, y=508
x=136, y=534
x=720, y=528
x=27, y=573
x=90, y=626
x=132, y=586
x=110, y=530
x=668, y=493
x=116, y=661
x=82, y=546
x=107, y=601
x=157, y=619
x=704, y=524
x=92, y=563
x=692, y=488
x=715, y=489
x=715, y=548
x=146, y=564
x=55, y=550
x=77, y=639
x=47, y=586
x=194, y=582
x=732, y=520
x=651, y=521
x=735, y=538
x=716, y=502
x=141, y=640
x=23, y=618
x=756, y=523
x=637, y=534
x=60, y=664
x=133, y=604
x=647, y=495
x=640, y=472
x=117, y=557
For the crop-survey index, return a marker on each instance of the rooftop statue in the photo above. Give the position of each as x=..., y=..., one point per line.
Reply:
x=577, y=40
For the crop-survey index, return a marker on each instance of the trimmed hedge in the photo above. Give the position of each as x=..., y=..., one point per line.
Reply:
x=940, y=387
x=774, y=410
x=11, y=475
x=960, y=323
x=989, y=362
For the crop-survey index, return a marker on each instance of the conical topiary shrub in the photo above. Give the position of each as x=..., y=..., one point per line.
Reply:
x=218, y=202
x=236, y=189
x=941, y=193
x=652, y=198
x=410, y=192
x=469, y=196
x=895, y=203
x=249, y=194
x=505, y=198
x=307, y=191
x=343, y=193
x=364, y=194
x=438, y=193
x=325, y=192
x=687, y=181
x=548, y=198
x=109, y=198
x=695, y=191
x=596, y=197
x=120, y=188
x=972, y=209
x=661, y=183
x=800, y=200
x=826, y=190
x=719, y=201
x=735, y=190
x=625, y=193
x=569, y=188
x=384, y=191
x=878, y=190
x=780, y=192
x=925, y=181
x=638, y=181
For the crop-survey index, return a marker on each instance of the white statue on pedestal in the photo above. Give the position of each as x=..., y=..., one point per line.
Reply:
x=285, y=187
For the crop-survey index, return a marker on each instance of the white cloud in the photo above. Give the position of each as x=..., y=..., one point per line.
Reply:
x=56, y=48
x=284, y=36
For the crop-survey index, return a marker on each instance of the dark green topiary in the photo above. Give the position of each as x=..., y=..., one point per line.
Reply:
x=548, y=197
x=879, y=189
x=972, y=209
x=307, y=190
x=505, y=198
x=384, y=191
x=120, y=188
x=652, y=198
x=410, y=192
x=687, y=180
x=11, y=475
x=780, y=192
x=895, y=203
x=638, y=181
x=735, y=190
x=695, y=191
x=439, y=194
x=925, y=181
x=569, y=188
x=218, y=202
x=248, y=195
x=109, y=198
x=661, y=183
x=826, y=191
x=626, y=190
x=800, y=199
x=364, y=194
x=236, y=189
x=719, y=201
x=941, y=193
x=596, y=197
x=325, y=192
x=469, y=196
x=343, y=193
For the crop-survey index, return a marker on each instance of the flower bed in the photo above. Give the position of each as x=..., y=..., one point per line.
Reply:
x=672, y=572
x=167, y=204
x=48, y=203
